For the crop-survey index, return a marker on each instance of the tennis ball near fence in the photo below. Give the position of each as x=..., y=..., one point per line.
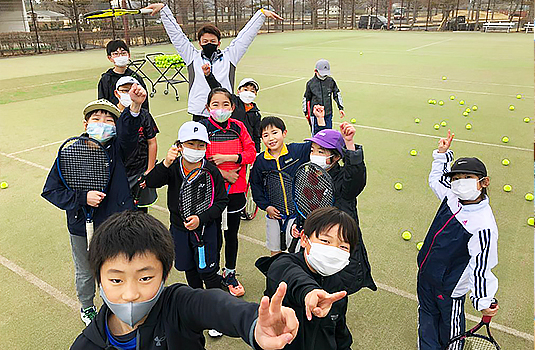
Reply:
x=511, y=108
x=4, y=185
x=505, y=139
x=413, y=152
x=468, y=126
x=398, y=186
x=474, y=108
x=444, y=77
x=527, y=120
x=507, y=188
x=452, y=97
x=441, y=103
x=529, y=196
x=353, y=120
x=419, y=245
x=417, y=120
x=531, y=221
x=406, y=235
x=436, y=126
x=461, y=102
x=506, y=161
x=519, y=96
x=443, y=123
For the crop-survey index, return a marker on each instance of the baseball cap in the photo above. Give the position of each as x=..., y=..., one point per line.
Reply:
x=468, y=166
x=192, y=131
x=102, y=104
x=246, y=81
x=323, y=67
x=126, y=80
x=330, y=139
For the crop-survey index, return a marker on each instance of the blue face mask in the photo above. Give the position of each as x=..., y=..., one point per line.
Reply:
x=101, y=132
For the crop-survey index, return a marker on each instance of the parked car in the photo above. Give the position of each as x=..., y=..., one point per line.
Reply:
x=374, y=22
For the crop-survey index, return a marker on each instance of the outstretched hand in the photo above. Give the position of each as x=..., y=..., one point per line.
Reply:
x=445, y=143
x=271, y=14
x=155, y=8
x=319, y=302
x=277, y=325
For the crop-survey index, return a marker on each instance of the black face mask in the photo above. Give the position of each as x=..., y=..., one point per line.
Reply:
x=209, y=49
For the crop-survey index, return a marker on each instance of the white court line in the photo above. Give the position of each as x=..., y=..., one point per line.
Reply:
x=396, y=291
x=39, y=283
x=435, y=43
x=25, y=161
x=410, y=133
x=44, y=84
x=282, y=84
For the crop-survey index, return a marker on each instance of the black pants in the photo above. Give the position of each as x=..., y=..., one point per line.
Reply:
x=231, y=239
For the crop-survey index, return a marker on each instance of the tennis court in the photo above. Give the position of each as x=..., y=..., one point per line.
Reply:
x=386, y=79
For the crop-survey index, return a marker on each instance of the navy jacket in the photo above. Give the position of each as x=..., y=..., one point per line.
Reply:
x=177, y=320
x=118, y=196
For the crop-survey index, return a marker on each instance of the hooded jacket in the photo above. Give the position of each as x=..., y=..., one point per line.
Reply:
x=321, y=92
x=177, y=320
x=327, y=333
x=118, y=196
x=106, y=85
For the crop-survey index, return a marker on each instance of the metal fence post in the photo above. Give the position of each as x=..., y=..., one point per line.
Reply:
x=38, y=48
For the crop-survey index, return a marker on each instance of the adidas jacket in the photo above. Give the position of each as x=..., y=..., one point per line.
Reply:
x=223, y=63
x=461, y=246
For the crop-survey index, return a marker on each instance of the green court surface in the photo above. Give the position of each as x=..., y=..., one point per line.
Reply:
x=386, y=79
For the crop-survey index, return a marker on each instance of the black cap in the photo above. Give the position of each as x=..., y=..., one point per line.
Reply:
x=468, y=166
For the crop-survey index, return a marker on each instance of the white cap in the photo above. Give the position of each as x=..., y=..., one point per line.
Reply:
x=126, y=80
x=192, y=131
x=323, y=67
x=246, y=81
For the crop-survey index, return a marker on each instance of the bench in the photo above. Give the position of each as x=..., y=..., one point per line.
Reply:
x=498, y=26
x=528, y=27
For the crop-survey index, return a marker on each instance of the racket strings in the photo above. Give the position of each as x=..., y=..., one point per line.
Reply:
x=474, y=342
x=313, y=189
x=84, y=166
x=196, y=194
x=279, y=189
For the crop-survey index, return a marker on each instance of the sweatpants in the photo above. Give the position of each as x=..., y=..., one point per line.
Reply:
x=235, y=206
x=83, y=279
x=440, y=317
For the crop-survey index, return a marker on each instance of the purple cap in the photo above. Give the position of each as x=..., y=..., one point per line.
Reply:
x=330, y=139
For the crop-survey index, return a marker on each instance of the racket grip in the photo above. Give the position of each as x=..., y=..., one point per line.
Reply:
x=283, y=240
x=224, y=220
x=202, y=257
x=293, y=245
x=486, y=319
x=145, y=11
x=89, y=232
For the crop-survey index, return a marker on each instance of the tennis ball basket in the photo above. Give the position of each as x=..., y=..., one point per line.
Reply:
x=169, y=68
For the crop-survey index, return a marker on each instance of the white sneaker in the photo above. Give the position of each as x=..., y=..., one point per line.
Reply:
x=215, y=333
x=88, y=314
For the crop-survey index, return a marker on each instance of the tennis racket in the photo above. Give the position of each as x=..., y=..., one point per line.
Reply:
x=313, y=188
x=470, y=340
x=224, y=141
x=84, y=165
x=136, y=191
x=197, y=196
x=115, y=13
x=278, y=187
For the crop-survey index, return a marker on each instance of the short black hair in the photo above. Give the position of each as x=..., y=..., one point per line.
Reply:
x=114, y=45
x=220, y=90
x=275, y=122
x=88, y=115
x=249, y=84
x=131, y=233
x=209, y=29
x=323, y=219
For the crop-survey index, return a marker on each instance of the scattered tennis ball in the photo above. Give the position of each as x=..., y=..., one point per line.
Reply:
x=398, y=186
x=527, y=120
x=474, y=108
x=468, y=110
x=511, y=108
x=3, y=185
x=461, y=102
x=436, y=126
x=505, y=139
x=531, y=221
x=434, y=102
x=353, y=120
x=417, y=120
x=441, y=103
x=507, y=188
x=406, y=235
x=360, y=53
x=444, y=77
x=430, y=101
x=413, y=152
x=419, y=245
x=529, y=196
x=443, y=123
x=452, y=97
x=468, y=126
x=505, y=161
x=519, y=96
x=465, y=113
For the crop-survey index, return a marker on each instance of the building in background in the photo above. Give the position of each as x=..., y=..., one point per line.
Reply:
x=13, y=16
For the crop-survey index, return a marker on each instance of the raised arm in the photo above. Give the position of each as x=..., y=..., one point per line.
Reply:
x=439, y=183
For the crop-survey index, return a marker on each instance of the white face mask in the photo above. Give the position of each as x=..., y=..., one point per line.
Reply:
x=125, y=99
x=327, y=260
x=465, y=189
x=193, y=155
x=121, y=61
x=247, y=96
x=320, y=161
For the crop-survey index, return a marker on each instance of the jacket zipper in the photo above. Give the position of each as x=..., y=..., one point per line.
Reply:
x=436, y=234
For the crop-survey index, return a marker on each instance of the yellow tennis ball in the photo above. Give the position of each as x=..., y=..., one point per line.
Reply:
x=436, y=126
x=519, y=96
x=398, y=186
x=527, y=120
x=444, y=77
x=505, y=161
x=529, y=196
x=531, y=221
x=419, y=245
x=474, y=108
x=465, y=113
x=406, y=235
x=413, y=152
x=507, y=188
x=4, y=185
x=452, y=97
x=443, y=123
x=505, y=139
x=461, y=102
x=353, y=120
x=511, y=108
x=468, y=110
x=468, y=126
x=417, y=120
x=440, y=103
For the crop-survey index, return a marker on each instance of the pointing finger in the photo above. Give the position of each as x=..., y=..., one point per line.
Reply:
x=276, y=300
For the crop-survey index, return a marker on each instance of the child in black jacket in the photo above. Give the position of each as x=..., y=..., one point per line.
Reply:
x=315, y=288
x=130, y=256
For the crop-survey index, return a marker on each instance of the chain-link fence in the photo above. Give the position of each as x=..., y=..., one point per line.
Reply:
x=36, y=26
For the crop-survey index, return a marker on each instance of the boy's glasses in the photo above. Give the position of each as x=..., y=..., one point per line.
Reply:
x=119, y=53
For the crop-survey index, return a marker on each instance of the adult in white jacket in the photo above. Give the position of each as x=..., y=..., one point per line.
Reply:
x=223, y=62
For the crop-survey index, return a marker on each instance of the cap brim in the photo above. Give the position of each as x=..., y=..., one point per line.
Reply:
x=324, y=72
x=453, y=172
x=114, y=111
x=321, y=142
x=194, y=139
